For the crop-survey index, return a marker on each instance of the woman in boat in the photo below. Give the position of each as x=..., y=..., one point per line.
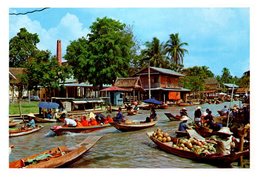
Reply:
x=49, y=114
x=211, y=123
x=183, y=124
x=31, y=123
x=197, y=116
x=183, y=112
x=152, y=117
x=225, y=141
x=119, y=116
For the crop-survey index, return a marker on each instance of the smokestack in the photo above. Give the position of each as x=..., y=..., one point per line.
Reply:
x=58, y=55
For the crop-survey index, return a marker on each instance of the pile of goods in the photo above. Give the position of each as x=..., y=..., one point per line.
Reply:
x=161, y=136
x=191, y=144
x=196, y=146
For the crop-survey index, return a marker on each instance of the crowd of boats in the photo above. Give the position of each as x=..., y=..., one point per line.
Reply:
x=198, y=142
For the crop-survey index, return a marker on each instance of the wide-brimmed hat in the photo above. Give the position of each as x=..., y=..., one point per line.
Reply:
x=184, y=109
x=225, y=130
x=198, y=107
x=30, y=115
x=91, y=115
x=64, y=112
x=183, y=118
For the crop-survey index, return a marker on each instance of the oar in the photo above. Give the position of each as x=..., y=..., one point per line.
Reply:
x=194, y=134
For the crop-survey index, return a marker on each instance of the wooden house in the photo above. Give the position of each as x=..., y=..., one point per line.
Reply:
x=134, y=87
x=164, y=84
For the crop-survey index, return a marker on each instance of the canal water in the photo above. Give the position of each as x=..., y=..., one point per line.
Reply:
x=116, y=149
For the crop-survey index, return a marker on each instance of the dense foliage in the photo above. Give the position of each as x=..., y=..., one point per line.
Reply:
x=22, y=47
x=42, y=70
x=104, y=54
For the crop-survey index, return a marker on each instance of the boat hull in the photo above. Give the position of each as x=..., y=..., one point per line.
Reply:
x=133, y=126
x=216, y=159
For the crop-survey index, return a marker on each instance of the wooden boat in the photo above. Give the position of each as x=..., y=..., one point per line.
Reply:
x=56, y=157
x=84, y=129
x=217, y=159
x=185, y=104
x=172, y=117
x=133, y=126
x=44, y=120
x=13, y=123
x=21, y=132
x=162, y=106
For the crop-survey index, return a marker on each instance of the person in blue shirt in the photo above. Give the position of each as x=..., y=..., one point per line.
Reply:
x=31, y=123
x=183, y=124
x=119, y=116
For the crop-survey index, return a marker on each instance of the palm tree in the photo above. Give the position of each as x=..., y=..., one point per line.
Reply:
x=174, y=49
x=154, y=52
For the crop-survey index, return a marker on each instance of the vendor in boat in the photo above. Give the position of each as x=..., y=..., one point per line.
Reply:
x=197, y=116
x=152, y=117
x=225, y=141
x=183, y=124
x=31, y=123
x=224, y=111
x=68, y=122
x=49, y=114
x=183, y=112
x=211, y=123
x=119, y=116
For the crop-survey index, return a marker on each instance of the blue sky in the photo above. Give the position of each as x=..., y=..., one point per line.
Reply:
x=217, y=37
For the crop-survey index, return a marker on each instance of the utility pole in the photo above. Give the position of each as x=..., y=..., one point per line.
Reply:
x=149, y=80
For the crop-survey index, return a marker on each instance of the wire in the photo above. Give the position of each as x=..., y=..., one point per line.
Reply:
x=30, y=12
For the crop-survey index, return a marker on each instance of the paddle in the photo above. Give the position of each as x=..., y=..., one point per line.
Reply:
x=194, y=134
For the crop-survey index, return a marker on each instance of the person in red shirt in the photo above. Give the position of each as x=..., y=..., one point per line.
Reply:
x=109, y=119
x=93, y=121
x=84, y=121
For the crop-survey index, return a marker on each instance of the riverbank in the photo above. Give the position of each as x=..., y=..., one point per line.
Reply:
x=26, y=107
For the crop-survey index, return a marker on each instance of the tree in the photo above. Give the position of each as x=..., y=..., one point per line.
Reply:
x=45, y=72
x=174, y=49
x=154, y=53
x=194, y=78
x=244, y=81
x=226, y=76
x=104, y=55
x=21, y=47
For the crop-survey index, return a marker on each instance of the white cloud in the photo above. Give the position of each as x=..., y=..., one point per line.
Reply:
x=68, y=29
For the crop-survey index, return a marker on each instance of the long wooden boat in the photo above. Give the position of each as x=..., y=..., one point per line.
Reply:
x=14, y=123
x=133, y=126
x=21, y=132
x=84, y=129
x=56, y=157
x=44, y=120
x=171, y=117
x=185, y=104
x=217, y=159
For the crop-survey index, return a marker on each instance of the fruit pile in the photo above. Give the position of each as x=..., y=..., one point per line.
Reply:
x=196, y=146
x=161, y=136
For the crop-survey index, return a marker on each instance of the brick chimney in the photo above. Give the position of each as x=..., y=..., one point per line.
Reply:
x=58, y=55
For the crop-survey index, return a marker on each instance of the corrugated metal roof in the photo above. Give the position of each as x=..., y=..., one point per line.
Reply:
x=167, y=71
x=231, y=85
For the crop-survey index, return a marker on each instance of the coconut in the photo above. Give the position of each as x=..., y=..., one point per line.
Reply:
x=160, y=138
x=168, y=139
x=164, y=139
